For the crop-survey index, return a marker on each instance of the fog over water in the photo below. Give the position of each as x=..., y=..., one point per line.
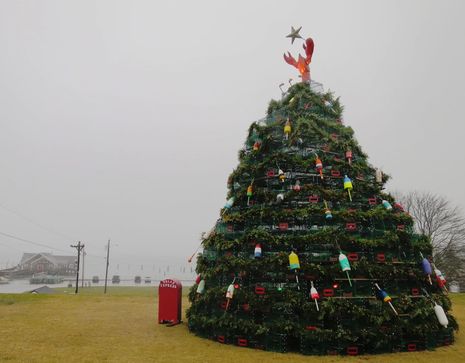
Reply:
x=123, y=119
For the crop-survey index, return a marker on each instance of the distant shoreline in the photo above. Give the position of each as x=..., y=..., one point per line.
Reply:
x=23, y=285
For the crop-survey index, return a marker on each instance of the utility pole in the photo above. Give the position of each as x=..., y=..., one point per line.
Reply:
x=108, y=263
x=82, y=276
x=79, y=248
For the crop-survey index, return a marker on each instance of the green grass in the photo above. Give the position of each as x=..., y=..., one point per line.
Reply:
x=121, y=327
x=114, y=291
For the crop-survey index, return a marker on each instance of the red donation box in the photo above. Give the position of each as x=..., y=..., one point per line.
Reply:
x=169, y=301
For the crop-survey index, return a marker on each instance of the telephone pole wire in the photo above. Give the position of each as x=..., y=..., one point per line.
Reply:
x=108, y=263
x=78, y=248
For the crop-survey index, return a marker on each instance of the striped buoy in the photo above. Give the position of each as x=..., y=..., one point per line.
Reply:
x=348, y=186
x=314, y=295
x=294, y=264
x=386, y=205
x=383, y=296
x=345, y=265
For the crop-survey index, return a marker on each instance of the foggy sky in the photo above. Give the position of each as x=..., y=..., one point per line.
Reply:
x=123, y=119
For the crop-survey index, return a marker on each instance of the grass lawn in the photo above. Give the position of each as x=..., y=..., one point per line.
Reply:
x=122, y=327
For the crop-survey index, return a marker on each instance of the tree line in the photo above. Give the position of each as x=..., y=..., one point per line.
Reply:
x=444, y=223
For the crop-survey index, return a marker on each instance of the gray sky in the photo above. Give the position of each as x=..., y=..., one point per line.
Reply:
x=123, y=119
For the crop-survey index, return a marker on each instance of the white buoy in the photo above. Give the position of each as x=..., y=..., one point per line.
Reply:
x=441, y=315
x=201, y=287
x=229, y=295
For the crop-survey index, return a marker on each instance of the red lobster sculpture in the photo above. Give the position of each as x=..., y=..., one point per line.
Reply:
x=302, y=63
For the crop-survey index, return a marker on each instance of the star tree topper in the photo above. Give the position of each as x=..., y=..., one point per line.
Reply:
x=302, y=64
x=294, y=34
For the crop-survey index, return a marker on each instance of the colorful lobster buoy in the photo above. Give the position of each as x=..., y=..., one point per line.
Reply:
x=280, y=197
x=256, y=145
x=386, y=204
x=345, y=265
x=297, y=186
x=399, y=207
x=382, y=295
x=319, y=166
x=258, y=251
x=348, y=186
x=198, y=279
x=379, y=175
x=441, y=280
x=287, y=129
x=229, y=203
x=201, y=287
x=349, y=156
x=249, y=193
x=281, y=175
x=229, y=295
x=294, y=265
x=426, y=267
x=328, y=214
x=314, y=295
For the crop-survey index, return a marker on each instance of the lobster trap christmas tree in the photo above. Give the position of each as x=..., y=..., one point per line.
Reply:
x=310, y=253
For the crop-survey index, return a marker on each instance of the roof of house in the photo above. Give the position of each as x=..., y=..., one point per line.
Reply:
x=43, y=290
x=56, y=260
x=65, y=260
x=26, y=256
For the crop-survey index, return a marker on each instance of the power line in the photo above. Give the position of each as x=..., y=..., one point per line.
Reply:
x=9, y=246
x=12, y=211
x=43, y=244
x=48, y=246
x=32, y=242
x=45, y=228
x=48, y=229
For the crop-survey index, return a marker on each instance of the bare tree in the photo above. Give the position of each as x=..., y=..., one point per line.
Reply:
x=444, y=224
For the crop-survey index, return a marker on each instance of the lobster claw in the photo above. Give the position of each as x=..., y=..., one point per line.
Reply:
x=309, y=46
x=290, y=59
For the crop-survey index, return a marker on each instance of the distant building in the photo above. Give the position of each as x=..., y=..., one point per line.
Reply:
x=48, y=263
